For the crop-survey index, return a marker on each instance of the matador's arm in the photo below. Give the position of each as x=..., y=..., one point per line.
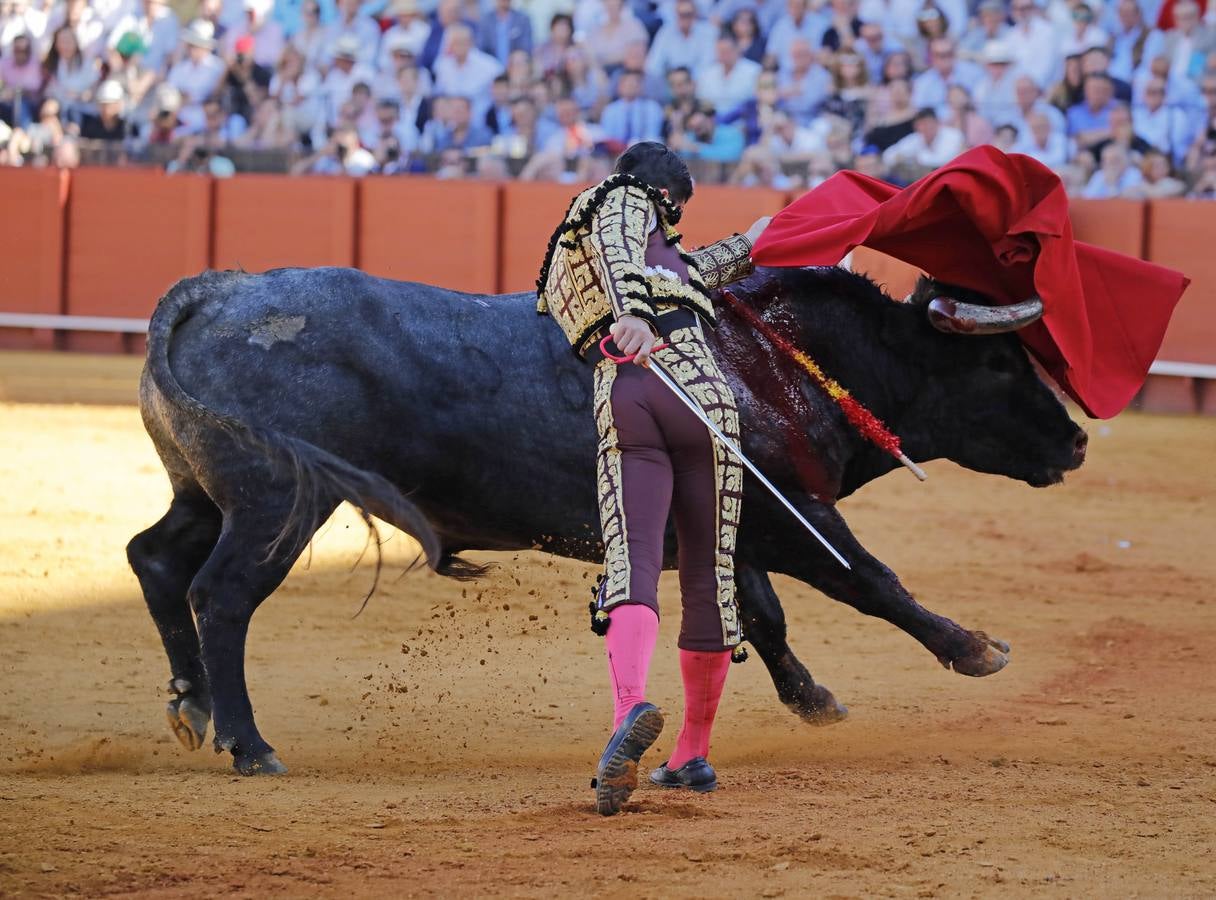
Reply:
x=724, y=262
x=618, y=235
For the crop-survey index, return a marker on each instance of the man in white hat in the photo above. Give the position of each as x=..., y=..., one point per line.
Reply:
x=344, y=73
x=352, y=23
x=407, y=35
x=198, y=74
x=994, y=93
x=108, y=124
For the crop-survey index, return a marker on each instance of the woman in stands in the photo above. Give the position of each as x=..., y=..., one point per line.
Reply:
x=70, y=78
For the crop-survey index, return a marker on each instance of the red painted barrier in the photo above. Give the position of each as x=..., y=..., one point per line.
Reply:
x=31, y=238
x=1180, y=235
x=271, y=221
x=131, y=234
x=437, y=232
x=715, y=212
x=530, y=212
x=1117, y=225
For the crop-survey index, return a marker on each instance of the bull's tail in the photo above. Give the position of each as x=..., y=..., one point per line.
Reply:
x=319, y=477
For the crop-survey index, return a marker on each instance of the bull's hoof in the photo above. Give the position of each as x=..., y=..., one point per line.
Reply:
x=820, y=707
x=989, y=660
x=259, y=764
x=188, y=720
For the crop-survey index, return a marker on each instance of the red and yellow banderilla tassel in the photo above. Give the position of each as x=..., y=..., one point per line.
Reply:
x=868, y=425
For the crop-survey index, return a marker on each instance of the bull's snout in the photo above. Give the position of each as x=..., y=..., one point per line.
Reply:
x=1079, y=444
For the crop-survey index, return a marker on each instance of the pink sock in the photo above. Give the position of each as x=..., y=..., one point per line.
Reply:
x=630, y=642
x=704, y=676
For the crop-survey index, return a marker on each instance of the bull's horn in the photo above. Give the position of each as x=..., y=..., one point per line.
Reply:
x=969, y=318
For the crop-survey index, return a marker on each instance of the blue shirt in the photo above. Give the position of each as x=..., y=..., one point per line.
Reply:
x=630, y=121
x=1081, y=118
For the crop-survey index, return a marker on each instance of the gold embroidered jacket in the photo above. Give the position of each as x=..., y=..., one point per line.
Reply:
x=595, y=269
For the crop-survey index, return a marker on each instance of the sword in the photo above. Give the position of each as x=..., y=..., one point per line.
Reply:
x=664, y=375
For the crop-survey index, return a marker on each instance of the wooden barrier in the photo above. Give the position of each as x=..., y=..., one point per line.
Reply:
x=131, y=234
x=438, y=232
x=31, y=235
x=1180, y=235
x=530, y=212
x=1117, y=225
x=271, y=221
x=716, y=212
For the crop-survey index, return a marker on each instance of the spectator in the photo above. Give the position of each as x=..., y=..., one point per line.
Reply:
x=197, y=75
x=1040, y=139
x=1114, y=177
x=755, y=116
x=447, y=13
x=219, y=127
x=497, y=118
x=685, y=43
x=157, y=28
x=931, y=25
x=1204, y=187
x=408, y=33
x=551, y=55
x=311, y=39
x=730, y=81
x=1096, y=60
x=163, y=124
x=38, y=141
x=260, y=36
x=453, y=127
x=930, y=145
x=125, y=66
x=875, y=48
x=1028, y=98
x=23, y=18
x=745, y=29
x=844, y=26
x=1188, y=43
x=413, y=104
x=962, y=114
x=1032, y=42
x=607, y=42
x=20, y=81
x=766, y=12
x=568, y=149
x=528, y=132
x=798, y=23
x=1084, y=33
x=87, y=27
x=1157, y=179
x=653, y=86
x=785, y=146
x=990, y=26
x=631, y=117
x=1122, y=133
x=108, y=123
x=1089, y=120
x=503, y=31
x=703, y=138
x=246, y=81
x=70, y=76
x=1163, y=126
x=463, y=70
x=521, y=73
x=386, y=131
x=804, y=85
x=851, y=91
x=344, y=73
x=341, y=155
x=1069, y=90
x=895, y=121
x=296, y=91
x=1133, y=41
x=352, y=31
x=929, y=87
x=268, y=130
x=683, y=102
x=585, y=82
x=994, y=92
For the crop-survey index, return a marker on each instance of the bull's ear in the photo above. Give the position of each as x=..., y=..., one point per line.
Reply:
x=926, y=289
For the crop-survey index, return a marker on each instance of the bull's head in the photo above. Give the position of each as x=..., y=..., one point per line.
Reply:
x=989, y=406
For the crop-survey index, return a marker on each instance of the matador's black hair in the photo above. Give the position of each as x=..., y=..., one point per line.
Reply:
x=655, y=164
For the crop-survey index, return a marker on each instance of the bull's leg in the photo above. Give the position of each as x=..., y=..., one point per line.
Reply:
x=233, y=582
x=166, y=558
x=871, y=588
x=764, y=627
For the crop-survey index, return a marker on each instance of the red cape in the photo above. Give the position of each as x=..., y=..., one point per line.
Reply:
x=999, y=225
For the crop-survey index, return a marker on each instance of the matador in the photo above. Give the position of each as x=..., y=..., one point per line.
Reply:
x=615, y=269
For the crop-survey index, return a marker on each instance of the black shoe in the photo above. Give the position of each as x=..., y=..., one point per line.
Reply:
x=696, y=774
x=616, y=777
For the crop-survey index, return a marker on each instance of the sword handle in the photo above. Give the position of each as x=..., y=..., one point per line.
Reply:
x=623, y=359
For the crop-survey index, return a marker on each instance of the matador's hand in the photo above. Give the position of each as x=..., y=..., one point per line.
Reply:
x=633, y=335
x=753, y=233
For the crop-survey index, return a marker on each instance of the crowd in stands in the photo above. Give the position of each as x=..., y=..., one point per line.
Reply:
x=1117, y=96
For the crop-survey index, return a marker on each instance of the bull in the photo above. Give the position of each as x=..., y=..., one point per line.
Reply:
x=465, y=421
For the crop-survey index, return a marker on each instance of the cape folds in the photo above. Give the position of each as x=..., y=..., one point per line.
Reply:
x=998, y=224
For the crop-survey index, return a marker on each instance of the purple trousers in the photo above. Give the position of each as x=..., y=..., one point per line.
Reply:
x=657, y=458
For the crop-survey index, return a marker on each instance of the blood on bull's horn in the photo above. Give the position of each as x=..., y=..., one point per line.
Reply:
x=955, y=317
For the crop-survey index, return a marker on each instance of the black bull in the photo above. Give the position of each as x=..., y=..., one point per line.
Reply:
x=272, y=398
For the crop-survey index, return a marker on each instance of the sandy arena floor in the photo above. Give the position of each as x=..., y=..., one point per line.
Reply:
x=442, y=742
